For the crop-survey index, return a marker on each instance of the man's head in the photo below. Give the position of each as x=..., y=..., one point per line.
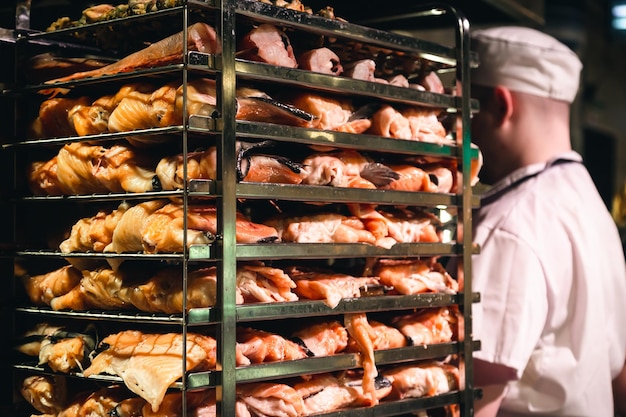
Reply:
x=525, y=82
x=526, y=60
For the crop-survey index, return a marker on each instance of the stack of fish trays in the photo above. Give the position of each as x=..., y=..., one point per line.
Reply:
x=239, y=209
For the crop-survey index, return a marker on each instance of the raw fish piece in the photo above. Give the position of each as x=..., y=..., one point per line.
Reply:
x=325, y=392
x=149, y=363
x=412, y=178
x=321, y=60
x=88, y=120
x=258, y=346
x=52, y=120
x=252, y=104
x=428, y=326
x=346, y=168
x=163, y=291
x=41, y=289
x=323, y=339
x=415, y=276
x=93, y=233
x=361, y=332
x=254, y=164
x=163, y=232
x=321, y=228
x=422, y=380
x=46, y=393
x=200, y=37
x=42, y=177
x=329, y=286
x=397, y=226
x=199, y=404
x=383, y=337
x=31, y=340
x=332, y=113
x=82, y=168
x=269, y=44
x=268, y=399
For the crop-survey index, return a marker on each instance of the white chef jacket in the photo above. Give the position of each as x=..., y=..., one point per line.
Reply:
x=552, y=279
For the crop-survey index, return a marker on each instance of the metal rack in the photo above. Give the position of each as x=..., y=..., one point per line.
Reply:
x=225, y=252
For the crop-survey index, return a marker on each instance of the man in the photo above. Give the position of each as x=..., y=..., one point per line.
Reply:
x=551, y=272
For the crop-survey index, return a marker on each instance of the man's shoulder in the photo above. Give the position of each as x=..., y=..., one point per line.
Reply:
x=533, y=210
x=553, y=190
x=513, y=205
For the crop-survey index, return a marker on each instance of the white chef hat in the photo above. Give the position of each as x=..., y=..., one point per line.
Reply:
x=525, y=60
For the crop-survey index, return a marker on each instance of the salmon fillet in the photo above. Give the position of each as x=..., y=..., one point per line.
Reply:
x=150, y=363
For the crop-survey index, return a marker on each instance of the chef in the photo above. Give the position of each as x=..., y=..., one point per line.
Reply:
x=551, y=272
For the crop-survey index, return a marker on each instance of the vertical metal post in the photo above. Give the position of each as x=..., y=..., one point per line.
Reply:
x=185, y=151
x=465, y=225
x=22, y=15
x=227, y=212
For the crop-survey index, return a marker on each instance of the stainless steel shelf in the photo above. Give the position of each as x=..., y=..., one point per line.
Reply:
x=177, y=257
x=102, y=137
x=225, y=316
x=260, y=311
x=331, y=194
x=345, y=85
x=259, y=130
x=7, y=36
x=253, y=191
x=208, y=379
x=268, y=251
x=342, y=29
x=97, y=315
x=264, y=251
x=98, y=198
x=304, y=308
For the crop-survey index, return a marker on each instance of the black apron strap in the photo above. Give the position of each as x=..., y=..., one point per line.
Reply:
x=491, y=198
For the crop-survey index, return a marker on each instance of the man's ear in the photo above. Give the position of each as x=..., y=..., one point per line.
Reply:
x=503, y=104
